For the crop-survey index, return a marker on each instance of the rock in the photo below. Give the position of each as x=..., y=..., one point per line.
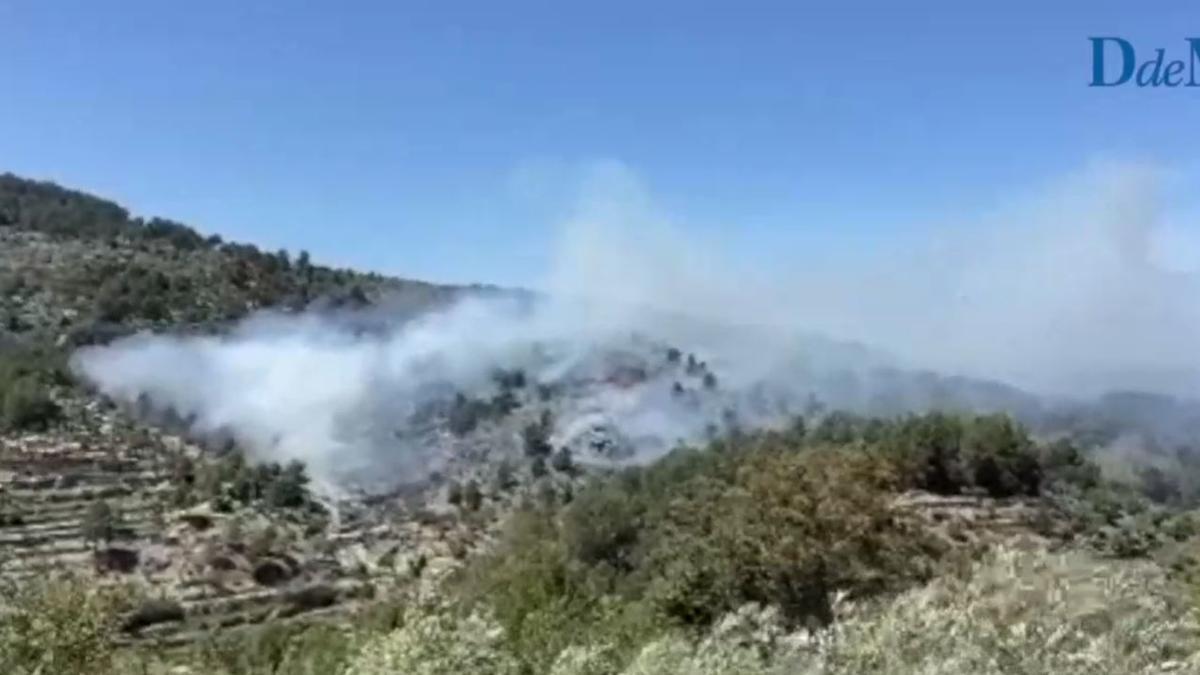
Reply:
x=222, y=563
x=116, y=559
x=199, y=522
x=153, y=612
x=313, y=597
x=272, y=572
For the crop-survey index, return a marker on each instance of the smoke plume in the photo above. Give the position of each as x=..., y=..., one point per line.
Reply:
x=1065, y=293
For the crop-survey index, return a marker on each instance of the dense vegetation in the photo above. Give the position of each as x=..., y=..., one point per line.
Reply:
x=26, y=375
x=157, y=270
x=744, y=557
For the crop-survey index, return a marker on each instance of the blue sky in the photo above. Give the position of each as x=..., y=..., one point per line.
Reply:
x=441, y=140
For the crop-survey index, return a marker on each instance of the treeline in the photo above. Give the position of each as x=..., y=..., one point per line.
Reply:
x=41, y=206
x=176, y=274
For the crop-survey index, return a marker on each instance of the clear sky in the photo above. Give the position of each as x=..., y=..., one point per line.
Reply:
x=438, y=139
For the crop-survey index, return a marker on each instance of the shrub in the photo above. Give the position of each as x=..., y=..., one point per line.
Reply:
x=291, y=649
x=536, y=436
x=465, y=414
x=27, y=406
x=696, y=535
x=837, y=427
x=537, y=468
x=152, y=612
x=100, y=523
x=946, y=454
x=1022, y=612
x=454, y=493
x=1001, y=456
x=929, y=450
x=434, y=642
x=1064, y=465
x=563, y=462
x=472, y=495
x=790, y=530
x=289, y=488
x=1018, y=612
x=505, y=479
x=62, y=626
x=602, y=526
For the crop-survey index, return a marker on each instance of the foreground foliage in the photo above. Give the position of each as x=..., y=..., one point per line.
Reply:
x=767, y=553
x=57, y=626
x=1016, y=612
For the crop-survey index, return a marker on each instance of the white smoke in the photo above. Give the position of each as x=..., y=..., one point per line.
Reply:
x=1062, y=294
x=1078, y=287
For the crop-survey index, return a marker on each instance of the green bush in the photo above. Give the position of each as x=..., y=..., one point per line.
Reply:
x=790, y=530
x=762, y=519
x=26, y=375
x=100, y=523
x=1002, y=458
x=288, y=488
x=63, y=626
x=947, y=454
x=437, y=643
x=26, y=405
x=602, y=527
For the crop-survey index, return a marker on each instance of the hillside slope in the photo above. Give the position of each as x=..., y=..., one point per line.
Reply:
x=544, y=523
x=74, y=265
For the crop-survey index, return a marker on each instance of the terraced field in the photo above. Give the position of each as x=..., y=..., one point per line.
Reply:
x=195, y=578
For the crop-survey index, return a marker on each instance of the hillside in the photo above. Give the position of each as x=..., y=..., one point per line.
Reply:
x=532, y=515
x=78, y=270
x=80, y=267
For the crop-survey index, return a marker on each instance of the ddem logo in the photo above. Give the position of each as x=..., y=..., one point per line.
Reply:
x=1114, y=63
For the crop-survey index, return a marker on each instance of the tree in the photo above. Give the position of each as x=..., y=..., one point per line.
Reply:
x=454, y=493
x=1002, y=458
x=100, y=522
x=837, y=427
x=465, y=414
x=563, y=462
x=537, y=437
x=289, y=489
x=930, y=447
x=27, y=406
x=798, y=427
x=472, y=495
x=357, y=297
x=537, y=468
x=1158, y=486
x=505, y=480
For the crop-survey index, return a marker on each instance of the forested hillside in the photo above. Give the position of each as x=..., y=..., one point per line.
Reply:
x=937, y=543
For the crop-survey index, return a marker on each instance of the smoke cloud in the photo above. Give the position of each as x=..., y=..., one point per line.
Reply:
x=1073, y=289
x=1066, y=293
